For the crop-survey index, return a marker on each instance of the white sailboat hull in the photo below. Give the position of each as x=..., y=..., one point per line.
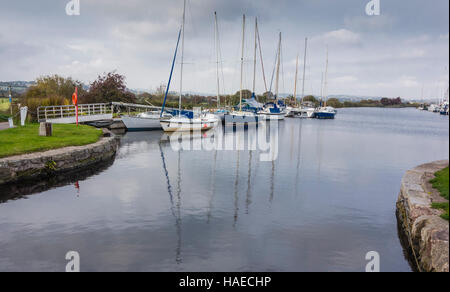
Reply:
x=189, y=125
x=141, y=124
x=241, y=118
x=302, y=113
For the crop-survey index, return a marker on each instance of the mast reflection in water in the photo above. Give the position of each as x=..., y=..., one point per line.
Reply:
x=327, y=200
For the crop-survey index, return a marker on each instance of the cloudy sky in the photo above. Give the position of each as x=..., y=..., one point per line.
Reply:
x=398, y=53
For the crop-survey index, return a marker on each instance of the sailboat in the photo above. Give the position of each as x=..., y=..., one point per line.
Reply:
x=272, y=110
x=444, y=105
x=241, y=117
x=147, y=121
x=219, y=112
x=325, y=112
x=300, y=111
x=199, y=121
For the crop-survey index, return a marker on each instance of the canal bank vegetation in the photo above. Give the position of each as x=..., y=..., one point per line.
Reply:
x=57, y=90
x=441, y=183
x=4, y=109
x=382, y=103
x=23, y=140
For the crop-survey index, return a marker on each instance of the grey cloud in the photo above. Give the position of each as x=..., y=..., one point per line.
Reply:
x=137, y=37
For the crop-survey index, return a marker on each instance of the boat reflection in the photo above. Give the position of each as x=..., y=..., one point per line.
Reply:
x=175, y=206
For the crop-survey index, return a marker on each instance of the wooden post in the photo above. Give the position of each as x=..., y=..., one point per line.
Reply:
x=46, y=129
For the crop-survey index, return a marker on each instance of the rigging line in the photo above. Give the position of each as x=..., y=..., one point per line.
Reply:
x=182, y=58
x=274, y=68
x=282, y=67
x=221, y=58
x=261, y=57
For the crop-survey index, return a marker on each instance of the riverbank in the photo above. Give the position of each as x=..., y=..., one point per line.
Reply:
x=24, y=140
x=14, y=169
x=426, y=234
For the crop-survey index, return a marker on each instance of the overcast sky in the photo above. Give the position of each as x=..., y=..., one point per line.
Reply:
x=394, y=54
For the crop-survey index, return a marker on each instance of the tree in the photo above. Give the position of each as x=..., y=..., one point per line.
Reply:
x=334, y=102
x=310, y=98
x=108, y=88
x=386, y=101
x=246, y=94
x=49, y=91
x=268, y=95
x=51, y=86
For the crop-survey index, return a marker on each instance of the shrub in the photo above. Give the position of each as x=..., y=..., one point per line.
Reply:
x=108, y=88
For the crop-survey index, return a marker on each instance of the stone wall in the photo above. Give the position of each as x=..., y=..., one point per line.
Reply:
x=426, y=233
x=43, y=164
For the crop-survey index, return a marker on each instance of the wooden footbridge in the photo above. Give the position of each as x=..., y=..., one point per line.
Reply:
x=66, y=114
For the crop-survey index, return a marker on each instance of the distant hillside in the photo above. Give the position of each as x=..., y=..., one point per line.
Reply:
x=17, y=87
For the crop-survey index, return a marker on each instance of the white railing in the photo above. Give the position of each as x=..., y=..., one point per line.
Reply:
x=68, y=112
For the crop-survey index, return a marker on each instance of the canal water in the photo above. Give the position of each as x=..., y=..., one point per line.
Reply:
x=325, y=202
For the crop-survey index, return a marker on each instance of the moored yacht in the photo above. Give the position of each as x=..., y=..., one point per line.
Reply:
x=274, y=110
x=241, y=117
x=145, y=121
x=204, y=122
x=180, y=122
x=326, y=112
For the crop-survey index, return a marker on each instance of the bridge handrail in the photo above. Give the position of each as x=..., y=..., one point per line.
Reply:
x=67, y=111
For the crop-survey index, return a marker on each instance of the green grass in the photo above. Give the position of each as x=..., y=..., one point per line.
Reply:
x=4, y=104
x=442, y=206
x=441, y=183
x=22, y=140
x=4, y=109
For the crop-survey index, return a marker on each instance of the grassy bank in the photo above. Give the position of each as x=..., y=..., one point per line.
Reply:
x=22, y=140
x=4, y=104
x=4, y=109
x=441, y=183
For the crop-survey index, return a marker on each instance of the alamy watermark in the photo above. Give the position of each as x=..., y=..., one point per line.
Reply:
x=262, y=136
x=373, y=8
x=73, y=8
x=373, y=266
x=73, y=266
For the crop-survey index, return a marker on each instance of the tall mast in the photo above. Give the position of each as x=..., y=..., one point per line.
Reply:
x=278, y=68
x=296, y=78
x=216, y=34
x=242, y=61
x=321, y=87
x=254, y=59
x=304, y=69
x=326, y=80
x=182, y=58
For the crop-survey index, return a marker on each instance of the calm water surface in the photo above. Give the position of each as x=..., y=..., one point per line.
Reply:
x=321, y=206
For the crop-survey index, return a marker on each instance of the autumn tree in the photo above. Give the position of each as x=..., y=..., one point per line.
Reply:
x=110, y=87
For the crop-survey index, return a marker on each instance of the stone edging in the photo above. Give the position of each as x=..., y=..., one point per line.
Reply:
x=41, y=164
x=427, y=234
